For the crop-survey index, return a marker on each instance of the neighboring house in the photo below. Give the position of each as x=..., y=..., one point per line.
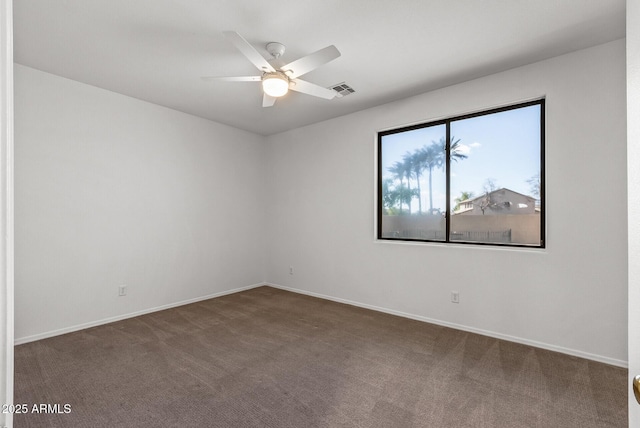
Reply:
x=500, y=201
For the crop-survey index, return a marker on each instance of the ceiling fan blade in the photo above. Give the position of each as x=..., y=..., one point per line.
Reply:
x=311, y=62
x=233, y=79
x=312, y=89
x=268, y=101
x=249, y=51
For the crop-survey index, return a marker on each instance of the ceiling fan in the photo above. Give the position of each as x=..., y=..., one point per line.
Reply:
x=278, y=79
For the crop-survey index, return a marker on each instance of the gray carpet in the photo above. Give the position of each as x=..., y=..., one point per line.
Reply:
x=270, y=358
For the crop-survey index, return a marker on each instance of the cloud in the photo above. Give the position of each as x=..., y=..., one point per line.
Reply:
x=465, y=149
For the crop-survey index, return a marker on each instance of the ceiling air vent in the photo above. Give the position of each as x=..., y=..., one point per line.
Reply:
x=342, y=89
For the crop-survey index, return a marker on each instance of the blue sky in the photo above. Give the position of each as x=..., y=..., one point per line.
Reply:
x=503, y=147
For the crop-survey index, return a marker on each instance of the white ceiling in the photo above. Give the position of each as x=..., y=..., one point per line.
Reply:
x=156, y=50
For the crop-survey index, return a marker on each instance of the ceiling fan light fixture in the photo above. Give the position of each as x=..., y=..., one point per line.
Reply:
x=277, y=79
x=275, y=84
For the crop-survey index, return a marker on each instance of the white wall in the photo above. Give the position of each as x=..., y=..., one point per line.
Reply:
x=111, y=190
x=572, y=296
x=633, y=181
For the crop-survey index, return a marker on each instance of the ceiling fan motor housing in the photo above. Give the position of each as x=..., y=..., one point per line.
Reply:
x=275, y=49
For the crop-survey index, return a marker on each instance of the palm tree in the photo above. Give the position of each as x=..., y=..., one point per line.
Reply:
x=389, y=196
x=439, y=150
x=395, y=195
x=404, y=194
x=454, y=150
x=415, y=165
x=408, y=173
x=431, y=157
x=398, y=171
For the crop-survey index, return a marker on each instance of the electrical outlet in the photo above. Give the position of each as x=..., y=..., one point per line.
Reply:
x=455, y=297
x=122, y=290
x=290, y=270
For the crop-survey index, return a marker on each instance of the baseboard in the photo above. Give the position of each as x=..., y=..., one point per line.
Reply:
x=52, y=333
x=568, y=351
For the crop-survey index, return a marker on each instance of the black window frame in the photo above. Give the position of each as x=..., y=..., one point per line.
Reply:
x=447, y=122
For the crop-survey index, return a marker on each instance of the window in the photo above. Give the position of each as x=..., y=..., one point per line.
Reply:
x=477, y=178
